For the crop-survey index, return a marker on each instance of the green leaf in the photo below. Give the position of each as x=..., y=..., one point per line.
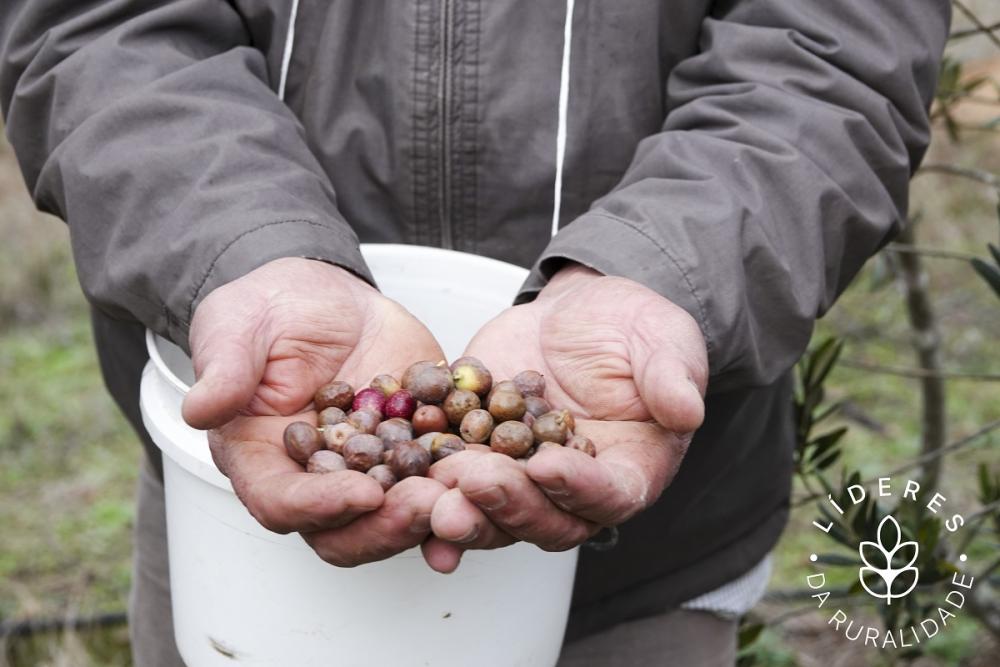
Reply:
x=951, y=125
x=828, y=460
x=828, y=411
x=970, y=85
x=984, y=484
x=823, y=360
x=994, y=250
x=824, y=442
x=989, y=273
x=749, y=632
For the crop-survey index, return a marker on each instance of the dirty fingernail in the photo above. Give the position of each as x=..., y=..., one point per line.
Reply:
x=421, y=523
x=492, y=498
x=554, y=487
x=469, y=536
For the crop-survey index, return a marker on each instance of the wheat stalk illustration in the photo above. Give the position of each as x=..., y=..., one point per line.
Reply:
x=878, y=556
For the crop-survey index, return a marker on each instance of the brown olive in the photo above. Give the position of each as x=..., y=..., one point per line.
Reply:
x=302, y=440
x=583, y=443
x=476, y=426
x=427, y=439
x=568, y=418
x=548, y=444
x=394, y=430
x=536, y=405
x=511, y=438
x=551, y=426
x=387, y=384
x=446, y=444
x=429, y=418
x=409, y=459
x=458, y=404
x=530, y=383
x=325, y=461
x=383, y=475
x=331, y=415
x=335, y=394
x=415, y=370
x=506, y=405
x=365, y=420
x=430, y=384
x=363, y=451
x=337, y=435
x=506, y=385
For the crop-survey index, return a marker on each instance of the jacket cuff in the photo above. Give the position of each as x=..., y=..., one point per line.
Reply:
x=616, y=247
x=255, y=247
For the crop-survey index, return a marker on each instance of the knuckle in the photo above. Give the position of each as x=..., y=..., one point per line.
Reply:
x=267, y=518
x=518, y=520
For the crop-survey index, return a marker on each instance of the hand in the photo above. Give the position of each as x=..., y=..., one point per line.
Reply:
x=630, y=365
x=262, y=345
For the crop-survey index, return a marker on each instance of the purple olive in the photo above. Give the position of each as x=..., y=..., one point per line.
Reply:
x=400, y=404
x=369, y=399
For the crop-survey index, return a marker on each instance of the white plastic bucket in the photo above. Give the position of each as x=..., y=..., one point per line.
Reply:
x=243, y=595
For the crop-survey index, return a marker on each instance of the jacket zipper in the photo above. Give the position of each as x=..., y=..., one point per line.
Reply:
x=445, y=94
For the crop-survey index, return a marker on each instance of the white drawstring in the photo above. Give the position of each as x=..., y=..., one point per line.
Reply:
x=286, y=58
x=563, y=104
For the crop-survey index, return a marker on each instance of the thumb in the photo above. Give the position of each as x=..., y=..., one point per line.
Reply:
x=671, y=375
x=229, y=365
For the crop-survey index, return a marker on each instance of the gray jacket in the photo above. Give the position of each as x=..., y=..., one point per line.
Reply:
x=742, y=157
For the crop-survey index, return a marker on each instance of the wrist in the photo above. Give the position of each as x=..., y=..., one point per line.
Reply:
x=570, y=275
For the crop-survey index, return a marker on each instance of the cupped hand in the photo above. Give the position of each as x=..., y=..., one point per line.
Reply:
x=261, y=346
x=630, y=365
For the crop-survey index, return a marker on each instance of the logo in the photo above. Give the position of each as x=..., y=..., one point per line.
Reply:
x=878, y=560
x=887, y=566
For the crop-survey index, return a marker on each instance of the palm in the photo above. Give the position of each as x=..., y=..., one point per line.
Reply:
x=323, y=344
x=586, y=365
x=630, y=365
x=262, y=345
x=267, y=342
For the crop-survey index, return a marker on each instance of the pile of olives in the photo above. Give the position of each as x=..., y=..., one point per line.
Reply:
x=395, y=429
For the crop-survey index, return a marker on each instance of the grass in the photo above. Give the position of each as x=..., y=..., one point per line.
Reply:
x=69, y=459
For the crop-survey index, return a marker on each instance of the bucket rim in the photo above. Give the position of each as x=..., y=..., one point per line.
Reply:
x=161, y=366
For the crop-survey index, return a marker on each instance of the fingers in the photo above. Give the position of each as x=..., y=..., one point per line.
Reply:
x=457, y=520
x=458, y=526
x=671, y=395
x=670, y=366
x=499, y=486
x=229, y=358
x=402, y=522
x=635, y=462
x=277, y=492
x=441, y=556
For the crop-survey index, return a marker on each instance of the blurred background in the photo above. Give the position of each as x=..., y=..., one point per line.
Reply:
x=68, y=461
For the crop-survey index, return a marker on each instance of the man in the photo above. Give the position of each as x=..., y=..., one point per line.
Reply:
x=716, y=173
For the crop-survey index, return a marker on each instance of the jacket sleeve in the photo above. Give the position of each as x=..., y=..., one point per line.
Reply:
x=782, y=165
x=152, y=129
